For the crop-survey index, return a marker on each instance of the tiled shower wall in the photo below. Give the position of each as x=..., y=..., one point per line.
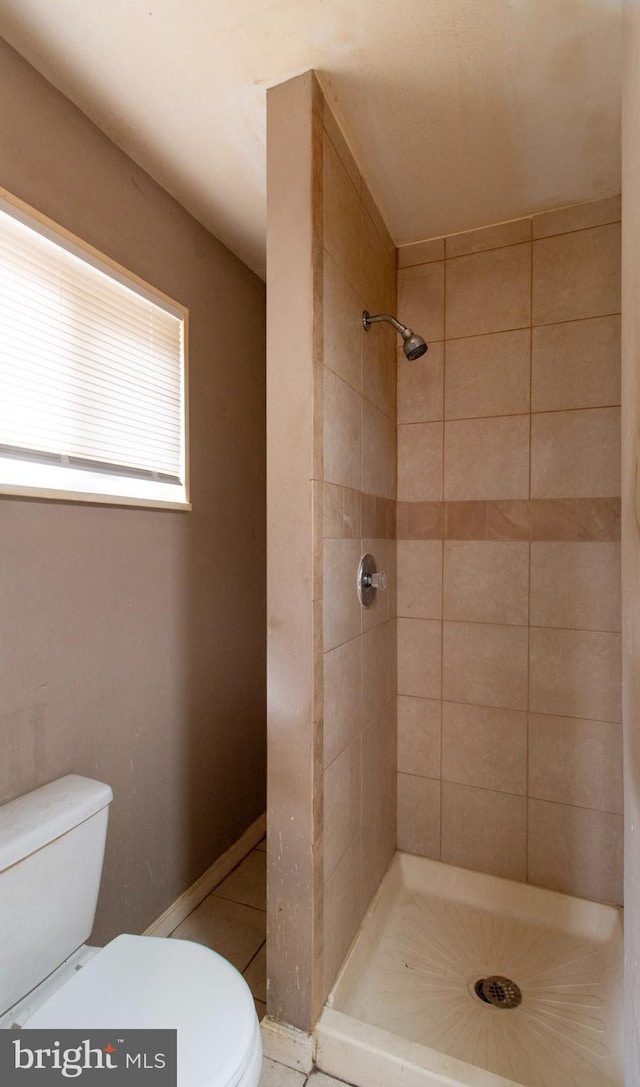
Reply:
x=357, y=500
x=509, y=734
x=331, y=406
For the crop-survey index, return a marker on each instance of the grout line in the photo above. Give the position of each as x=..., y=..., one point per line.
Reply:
x=509, y=415
x=542, y=324
x=254, y=956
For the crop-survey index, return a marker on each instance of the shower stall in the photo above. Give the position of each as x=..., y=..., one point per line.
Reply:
x=444, y=781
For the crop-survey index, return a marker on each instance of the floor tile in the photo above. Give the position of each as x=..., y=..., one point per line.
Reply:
x=278, y=1075
x=255, y=974
x=247, y=883
x=233, y=930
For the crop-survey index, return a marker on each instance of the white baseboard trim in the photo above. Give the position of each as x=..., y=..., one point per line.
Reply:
x=219, y=870
x=287, y=1045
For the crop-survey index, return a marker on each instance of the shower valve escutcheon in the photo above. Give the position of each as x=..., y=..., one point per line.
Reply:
x=369, y=580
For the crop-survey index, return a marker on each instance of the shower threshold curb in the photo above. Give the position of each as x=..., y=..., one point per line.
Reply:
x=368, y=1056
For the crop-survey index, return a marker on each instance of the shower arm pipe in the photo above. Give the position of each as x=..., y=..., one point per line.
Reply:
x=368, y=319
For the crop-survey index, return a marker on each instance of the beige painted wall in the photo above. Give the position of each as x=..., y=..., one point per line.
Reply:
x=630, y=531
x=133, y=641
x=510, y=741
x=331, y=488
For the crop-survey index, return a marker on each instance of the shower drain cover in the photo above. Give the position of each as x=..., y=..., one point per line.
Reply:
x=499, y=992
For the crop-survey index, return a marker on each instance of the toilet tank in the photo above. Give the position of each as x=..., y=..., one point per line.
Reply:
x=51, y=851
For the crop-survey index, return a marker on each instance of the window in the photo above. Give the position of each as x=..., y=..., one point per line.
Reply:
x=92, y=373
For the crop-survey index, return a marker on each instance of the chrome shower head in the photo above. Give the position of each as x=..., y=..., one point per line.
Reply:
x=413, y=345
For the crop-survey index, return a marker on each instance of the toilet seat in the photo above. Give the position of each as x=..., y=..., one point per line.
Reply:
x=145, y=981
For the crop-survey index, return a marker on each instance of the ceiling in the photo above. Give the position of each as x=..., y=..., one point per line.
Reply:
x=460, y=113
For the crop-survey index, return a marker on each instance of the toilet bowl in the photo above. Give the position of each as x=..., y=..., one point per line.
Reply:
x=135, y=982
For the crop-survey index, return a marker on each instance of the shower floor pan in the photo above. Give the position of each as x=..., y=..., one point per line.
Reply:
x=425, y=998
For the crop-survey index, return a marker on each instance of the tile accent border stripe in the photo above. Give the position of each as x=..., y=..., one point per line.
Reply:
x=549, y=519
x=350, y=514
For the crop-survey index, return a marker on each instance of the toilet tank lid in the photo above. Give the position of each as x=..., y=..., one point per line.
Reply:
x=31, y=821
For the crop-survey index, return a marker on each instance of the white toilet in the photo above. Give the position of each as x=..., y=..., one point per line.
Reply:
x=51, y=851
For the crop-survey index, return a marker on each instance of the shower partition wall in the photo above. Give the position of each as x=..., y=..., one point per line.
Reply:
x=331, y=499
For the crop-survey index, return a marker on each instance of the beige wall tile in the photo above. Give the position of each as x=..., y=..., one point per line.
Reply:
x=488, y=237
x=575, y=585
x=372, y=209
x=509, y=520
x=419, y=573
x=393, y=659
x=575, y=454
x=575, y=519
x=420, y=386
x=575, y=673
x=489, y=292
x=378, y=346
x=378, y=474
x=486, y=582
x=376, y=649
x=421, y=299
x=419, y=815
x=419, y=729
x=342, y=324
x=485, y=747
x=378, y=275
x=420, y=520
x=419, y=657
x=487, y=458
x=332, y=511
x=577, y=217
x=484, y=830
x=420, y=252
x=335, y=134
x=488, y=375
x=342, y=226
x=485, y=664
x=343, y=909
x=342, y=708
x=377, y=517
x=340, y=512
x=576, y=275
x=378, y=799
x=576, y=364
x=578, y=762
x=341, y=604
x=466, y=520
x=575, y=850
x=342, y=790
x=342, y=432
x=420, y=462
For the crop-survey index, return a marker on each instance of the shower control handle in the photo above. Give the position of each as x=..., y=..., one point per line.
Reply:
x=369, y=580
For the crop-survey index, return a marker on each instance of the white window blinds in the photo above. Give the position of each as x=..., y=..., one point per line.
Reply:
x=92, y=381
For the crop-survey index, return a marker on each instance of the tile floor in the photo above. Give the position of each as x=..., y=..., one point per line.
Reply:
x=232, y=921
